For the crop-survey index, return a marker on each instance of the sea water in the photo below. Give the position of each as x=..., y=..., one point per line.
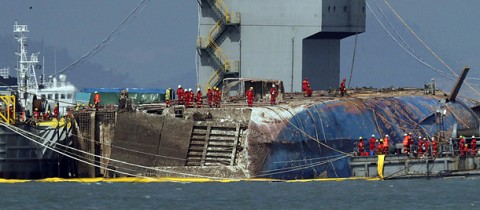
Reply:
x=358, y=194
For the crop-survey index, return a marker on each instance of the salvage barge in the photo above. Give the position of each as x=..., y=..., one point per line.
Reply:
x=300, y=138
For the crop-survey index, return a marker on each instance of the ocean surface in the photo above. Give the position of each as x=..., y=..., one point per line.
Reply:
x=358, y=194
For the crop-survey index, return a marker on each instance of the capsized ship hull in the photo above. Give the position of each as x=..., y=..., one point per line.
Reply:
x=309, y=141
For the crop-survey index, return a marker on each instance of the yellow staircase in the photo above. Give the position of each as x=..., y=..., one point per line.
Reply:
x=209, y=43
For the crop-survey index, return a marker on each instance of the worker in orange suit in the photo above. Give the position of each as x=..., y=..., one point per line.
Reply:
x=406, y=148
x=209, y=97
x=385, y=144
x=180, y=95
x=372, y=145
x=474, y=145
x=199, y=98
x=250, y=95
x=343, y=88
x=96, y=100
x=273, y=95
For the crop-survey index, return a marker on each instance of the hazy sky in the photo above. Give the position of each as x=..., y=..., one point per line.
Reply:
x=157, y=49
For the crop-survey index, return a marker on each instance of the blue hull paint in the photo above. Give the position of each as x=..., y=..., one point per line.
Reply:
x=295, y=151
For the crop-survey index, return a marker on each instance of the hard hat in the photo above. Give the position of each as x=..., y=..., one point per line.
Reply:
x=410, y=133
x=251, y=88
x=36, y=108
x=377, y=140
x=198, y=89
x=386, y=135
x=420, y=137
x=424, y=138
x=179, y=86
x=405, y=134
x=473, y=136
x=96, y=92
x=273, y=85
x=208, y=88
x=373, y=135
x=55, y=105
x=189, y=89
x=461, y=136
x=360, y=137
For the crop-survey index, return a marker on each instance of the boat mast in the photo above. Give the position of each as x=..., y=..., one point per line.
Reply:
x=27, y=81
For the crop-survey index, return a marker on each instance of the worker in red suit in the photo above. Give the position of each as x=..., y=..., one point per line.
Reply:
x=11, y=112
x=273, y=95
x=434, y=147
x=474, y=145
x=305, y=85
x=96, y=100
x=46, y=116
x=209, y=97
x=426, y=144
x=461, y=146
x=410, y=143
x=371, y=143
x=199, y=98
x=250, y=95
x=421, y=147
x=385, y=144
x=380, y=147
x=180, y=95
x=219, y=97
x=55, y=112
x=214, y=97
x=188, y=98
x=36, y=114
x=343, y=88
x=309, y=91
x=361, y=147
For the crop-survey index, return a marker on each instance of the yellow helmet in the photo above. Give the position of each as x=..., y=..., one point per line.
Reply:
x=360, y=137
x=251, y=88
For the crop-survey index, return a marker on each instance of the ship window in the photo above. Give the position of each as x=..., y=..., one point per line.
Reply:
x=69, y=96
x=62, y=96
x=56, y=96
x=49, y=96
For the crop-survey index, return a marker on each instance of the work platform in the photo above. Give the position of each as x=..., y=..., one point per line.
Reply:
x=400, y=167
